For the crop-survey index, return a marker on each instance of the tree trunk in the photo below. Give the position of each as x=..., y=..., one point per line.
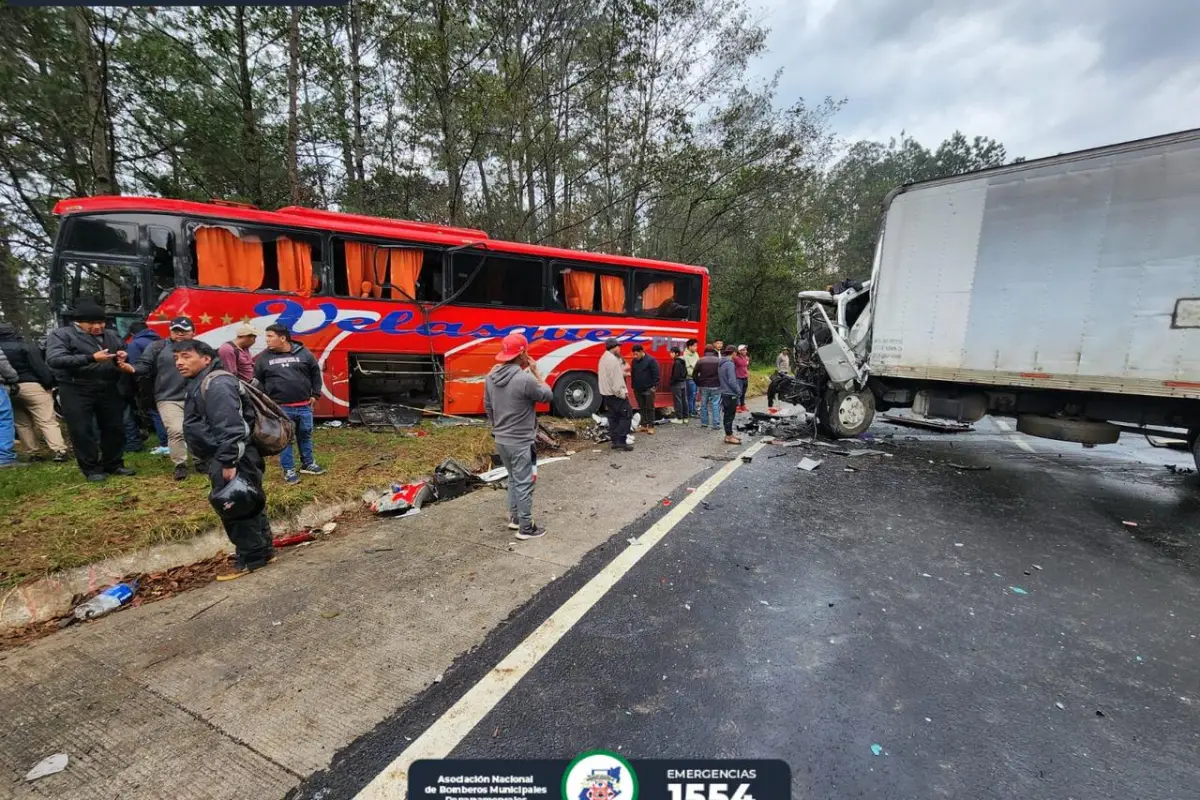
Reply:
x=338, y=88
x=100, y=153
x=356, y=90
x=250, y=144
x=293, y=129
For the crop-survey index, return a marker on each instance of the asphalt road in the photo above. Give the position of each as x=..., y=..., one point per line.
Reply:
x=997, y=633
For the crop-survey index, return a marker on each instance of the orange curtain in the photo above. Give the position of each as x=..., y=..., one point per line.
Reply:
x=580, y=289
x=406, y=268
x=612, y=293
x=656, y=294
x=295, y=266
x=222, y=259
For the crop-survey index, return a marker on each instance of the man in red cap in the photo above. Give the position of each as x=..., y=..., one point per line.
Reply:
x=512, y=389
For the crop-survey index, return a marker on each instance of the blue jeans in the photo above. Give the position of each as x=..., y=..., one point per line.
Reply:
x=302, y=417
x=691, y=397
x=710, y=406
x=8, y=430
x=133, y=432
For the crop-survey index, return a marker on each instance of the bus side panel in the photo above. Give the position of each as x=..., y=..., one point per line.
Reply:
x=467, y=367
x=335, y=394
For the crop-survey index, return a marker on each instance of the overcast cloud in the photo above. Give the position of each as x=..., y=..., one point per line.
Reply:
x=1041, y=76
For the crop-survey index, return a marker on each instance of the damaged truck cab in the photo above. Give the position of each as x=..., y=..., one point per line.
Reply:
x=1062, y=292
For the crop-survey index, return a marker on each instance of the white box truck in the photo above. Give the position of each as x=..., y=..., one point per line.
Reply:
x=1064, y=292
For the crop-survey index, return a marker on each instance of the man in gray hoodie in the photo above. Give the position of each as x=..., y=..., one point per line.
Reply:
x=510, y=394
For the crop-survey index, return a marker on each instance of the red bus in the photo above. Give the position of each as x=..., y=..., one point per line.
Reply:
x=395, y=311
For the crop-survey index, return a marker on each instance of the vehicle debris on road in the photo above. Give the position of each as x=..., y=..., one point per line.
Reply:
x=808, y=464
x=450, y=479
x=50, y=765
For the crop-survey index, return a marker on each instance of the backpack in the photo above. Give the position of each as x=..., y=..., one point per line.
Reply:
x=273, y=431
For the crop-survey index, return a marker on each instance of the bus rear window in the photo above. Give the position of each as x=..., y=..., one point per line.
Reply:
x=666, y=295
x=98, y=235
x=255, y=259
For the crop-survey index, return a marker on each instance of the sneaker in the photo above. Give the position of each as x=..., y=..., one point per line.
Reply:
x=161, y=451
x=60, y=458
x=234, y=574
x=732, y=440
x=181, y=472
x=533, y=533
x=97, y=477
x=650, y=431
x=290, y=477
x=678, y=422
x=512, y=524
x=124, y=472
x=313, y=469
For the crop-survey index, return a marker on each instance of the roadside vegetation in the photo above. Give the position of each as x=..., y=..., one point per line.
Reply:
x=52, y=519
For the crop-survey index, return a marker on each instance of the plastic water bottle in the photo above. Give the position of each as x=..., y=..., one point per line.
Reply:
x=111, y=598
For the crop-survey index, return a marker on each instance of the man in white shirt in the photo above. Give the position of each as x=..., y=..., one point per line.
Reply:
x=612, y=372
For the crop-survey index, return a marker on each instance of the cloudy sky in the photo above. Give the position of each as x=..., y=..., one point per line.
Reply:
x=1041, y=76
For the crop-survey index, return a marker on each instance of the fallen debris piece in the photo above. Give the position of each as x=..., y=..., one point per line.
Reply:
x=968, y=467
x=719, y=458
x=747, y=459
x=858, y=453
x=849, y=469
x=329, y=527
x=691, y=489
x=493, y=475
x=666, y=501
x=958, y=544
x=402, y=498
x=933, y=423
x=295, y=538
x=544, y=461
x=1018, y=590
x=789, y=443
x=876, y=750
x=633, y=540
x=379, y=416
x=1059, y=706
x=1164, y=441
x=370, y=550
x=50, y=765
x=764, y=602
x=330, y=614
x=1175, y=469
x=1129, y=524
x=808, y=464
x=1099, y=713
x=1035, y=566
x=207, y=607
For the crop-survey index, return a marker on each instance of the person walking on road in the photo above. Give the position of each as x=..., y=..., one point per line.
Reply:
x=730, y=391
x=645, y=376
x=32, y=403
x=235, y=355
x=691, y=355
x=679, y=382
x=741, y=363
x=170, y=388
x=708, y=380
x=8, y=382
x=613, y=389
x=291, y=376
x=87, y=360
x=511, y=392
x=142, y=336
x=217, y=425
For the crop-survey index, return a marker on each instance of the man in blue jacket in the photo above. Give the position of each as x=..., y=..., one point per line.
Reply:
x=291, y=376
x=731, y=390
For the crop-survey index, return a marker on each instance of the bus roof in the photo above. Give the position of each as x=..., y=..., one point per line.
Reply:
x=337, y=222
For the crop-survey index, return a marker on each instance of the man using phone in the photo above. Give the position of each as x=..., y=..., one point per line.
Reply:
x=87, y=361
x=511, y=393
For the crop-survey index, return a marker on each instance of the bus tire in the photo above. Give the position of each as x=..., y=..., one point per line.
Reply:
x=844, y=415
x=576, y=395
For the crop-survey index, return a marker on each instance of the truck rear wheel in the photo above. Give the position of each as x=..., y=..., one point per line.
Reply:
x=1194, y=445
x=1084, y=431
x=844, y=415
x=576, y=395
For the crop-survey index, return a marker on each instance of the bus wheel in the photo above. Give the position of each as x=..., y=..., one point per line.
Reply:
x=576, y=395
x=843, y=414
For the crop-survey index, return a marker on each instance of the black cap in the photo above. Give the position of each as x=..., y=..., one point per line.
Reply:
x=611, y=343
x=637, y=348
x=87, y=310
x=182, y=324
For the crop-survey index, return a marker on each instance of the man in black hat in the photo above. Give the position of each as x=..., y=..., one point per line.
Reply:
x=612, y=372
x=87, y=360
x=158, y=364
x=217, y=424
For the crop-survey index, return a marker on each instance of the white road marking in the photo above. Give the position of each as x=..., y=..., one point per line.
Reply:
x=1018, y=439
x=453, y=726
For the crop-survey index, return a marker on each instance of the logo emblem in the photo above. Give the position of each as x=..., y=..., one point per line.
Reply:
x=600, y=775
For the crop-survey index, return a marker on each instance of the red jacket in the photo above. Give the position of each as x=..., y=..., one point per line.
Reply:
x=236, y=360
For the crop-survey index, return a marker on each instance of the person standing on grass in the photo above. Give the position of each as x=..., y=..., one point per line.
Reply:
x=741, y=364
x=217, y=425
x=690, y=356
x=235, y=355
x=730, y=389
x=291, y=376
x=142, y=336
x=170, y=388
x=32, y=403
x=679, y=382
x=783, y=362
x=708, y=380
x=511, y=393
x=612, y=372
x=645, y=376
x=87, y=360
x=8, y=382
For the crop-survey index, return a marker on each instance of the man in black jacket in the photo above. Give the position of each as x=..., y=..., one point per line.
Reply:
x=679, y=390
x=33, y=405
x=645, y=376
x=217, y=425
x=87, y=360
x=157, y=363
x=290, y=376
